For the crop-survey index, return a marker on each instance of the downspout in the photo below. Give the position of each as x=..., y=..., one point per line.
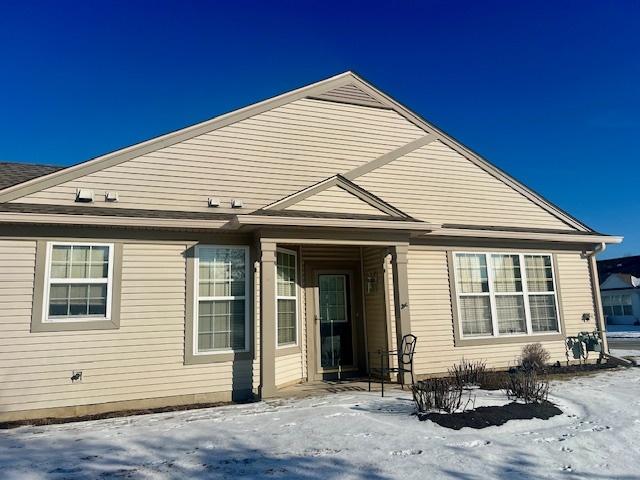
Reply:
x=597, y=299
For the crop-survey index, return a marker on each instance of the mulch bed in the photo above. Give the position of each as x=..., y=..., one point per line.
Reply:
x=114, y=414
x=483, y=417
x=494, y=380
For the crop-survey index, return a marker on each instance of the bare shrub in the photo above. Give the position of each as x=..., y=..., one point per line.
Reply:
x=437, y=394
x=527, y=385
x=494, y=381
x=468, y=373
x=534, y=356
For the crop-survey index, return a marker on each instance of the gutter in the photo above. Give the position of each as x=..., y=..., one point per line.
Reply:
x=597, y=299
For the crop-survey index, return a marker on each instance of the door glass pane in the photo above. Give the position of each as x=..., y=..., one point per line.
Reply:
x=336, y=347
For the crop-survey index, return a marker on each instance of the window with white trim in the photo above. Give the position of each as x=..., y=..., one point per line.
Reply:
x=78, y=282
x=502, y=294
x=286, y=297
x=617, y=305
x=221, y=301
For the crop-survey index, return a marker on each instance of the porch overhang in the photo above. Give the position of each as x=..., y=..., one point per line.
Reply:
x=414, y=227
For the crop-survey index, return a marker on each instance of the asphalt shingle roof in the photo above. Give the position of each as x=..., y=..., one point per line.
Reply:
x=14, y=173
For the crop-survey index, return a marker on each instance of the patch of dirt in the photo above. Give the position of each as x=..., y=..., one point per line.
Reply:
x=114, y=414
x=495, y=380
x=483, y=417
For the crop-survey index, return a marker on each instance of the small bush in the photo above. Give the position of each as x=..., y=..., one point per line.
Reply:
x=437, y=394
x=534, y=357
x=468, y=373
x=494, y=381
x=527, y=385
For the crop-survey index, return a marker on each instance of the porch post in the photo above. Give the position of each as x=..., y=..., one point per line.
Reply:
x=399, y=260
x=268, y=319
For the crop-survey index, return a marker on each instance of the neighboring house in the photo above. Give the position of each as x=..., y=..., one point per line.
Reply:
x=628, y=265
x=274, y=245
x=621, y=299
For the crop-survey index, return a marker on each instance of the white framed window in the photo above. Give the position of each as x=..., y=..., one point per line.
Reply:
x=505, y=294
x=286, y=297
x=617, y=305
x=78, y=282
x=221, y=310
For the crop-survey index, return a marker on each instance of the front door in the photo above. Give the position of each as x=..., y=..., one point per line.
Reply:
x=334, y=313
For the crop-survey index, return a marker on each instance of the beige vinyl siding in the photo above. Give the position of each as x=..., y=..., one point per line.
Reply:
x=432, y=320
x=575, y=292
x=437, y=184
x=260, y=160
x=351, y=94
x=335, y=200
x=143, y=359
x=288, y=369
x=374, y=303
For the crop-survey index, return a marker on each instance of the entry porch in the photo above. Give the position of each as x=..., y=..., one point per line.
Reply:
x=324, y=304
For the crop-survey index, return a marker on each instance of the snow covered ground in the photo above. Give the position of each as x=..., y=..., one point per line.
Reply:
x=346, y=435
x=623, y=331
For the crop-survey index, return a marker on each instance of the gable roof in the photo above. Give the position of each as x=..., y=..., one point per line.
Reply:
x=619, y=281
x=628, y=265
x=346, y=87
x=345, y=185
x=13, y=173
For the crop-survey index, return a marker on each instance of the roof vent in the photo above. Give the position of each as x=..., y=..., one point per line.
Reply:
x=84, y=195
x=214, y=202
x=236, y=203
x=111, y=196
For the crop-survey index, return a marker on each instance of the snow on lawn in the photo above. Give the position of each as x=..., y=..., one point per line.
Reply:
x=623, y=331
x=346, y=435
x=633, y=355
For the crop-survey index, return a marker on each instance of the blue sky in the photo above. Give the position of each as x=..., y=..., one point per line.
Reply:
x=548, y=91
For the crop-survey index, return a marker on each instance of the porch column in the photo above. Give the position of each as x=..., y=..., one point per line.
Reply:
x=399, y=261
x=267, y=318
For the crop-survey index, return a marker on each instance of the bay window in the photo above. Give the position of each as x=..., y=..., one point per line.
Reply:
x=505, y=294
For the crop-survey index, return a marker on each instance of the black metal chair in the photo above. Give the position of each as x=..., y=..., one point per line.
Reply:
x=404, y=357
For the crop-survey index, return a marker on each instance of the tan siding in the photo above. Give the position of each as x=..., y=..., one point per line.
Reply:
x=576, y=293
x=437, y=184
x=288, y=369
x=259, y=160
x=374, y=304
x=335, y=200
x=432, y=321
x=350, y=93
x=143, y=359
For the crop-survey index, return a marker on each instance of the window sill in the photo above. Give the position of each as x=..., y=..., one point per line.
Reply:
x=73, y=325
x=472, y=342
x=288, y=350
x=191, y=359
